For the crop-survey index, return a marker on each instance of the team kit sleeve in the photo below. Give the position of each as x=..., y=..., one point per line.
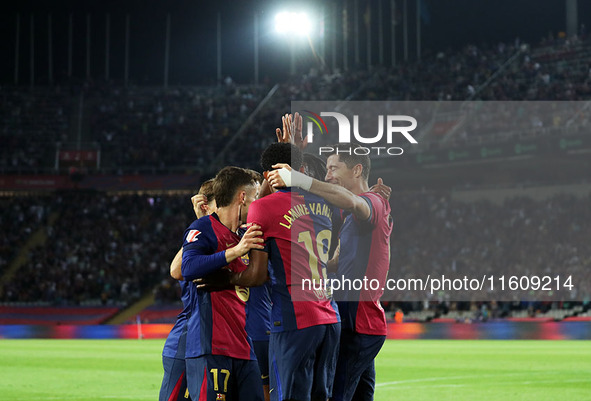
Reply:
x=199, y=251
x=376, y=207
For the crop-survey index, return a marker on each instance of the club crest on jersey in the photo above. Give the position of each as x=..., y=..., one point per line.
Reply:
x=192, y=236
x=220, y=397
x=244, y=259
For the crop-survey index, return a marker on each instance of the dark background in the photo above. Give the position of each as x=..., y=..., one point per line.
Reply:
x=446, y=24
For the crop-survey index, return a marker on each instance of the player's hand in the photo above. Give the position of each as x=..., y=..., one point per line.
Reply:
x=381, y=189
x=216, y=281
x=332, y=264
x=199, y=205
x=273, y=176
x=292, y=131
x=252, y=239
x=297, y=125
x=284, y=136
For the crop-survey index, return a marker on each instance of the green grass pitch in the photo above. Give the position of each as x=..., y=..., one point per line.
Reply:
x=85, y=370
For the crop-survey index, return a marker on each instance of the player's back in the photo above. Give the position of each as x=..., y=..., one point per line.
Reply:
x=297, y=231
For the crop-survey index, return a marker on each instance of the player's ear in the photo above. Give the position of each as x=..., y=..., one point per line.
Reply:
x=357, y=170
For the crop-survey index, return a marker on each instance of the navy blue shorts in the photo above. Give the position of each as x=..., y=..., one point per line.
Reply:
x=261, y=350
x=303, y=363
x=174, y=383
x=355, y=376
x=222, y=378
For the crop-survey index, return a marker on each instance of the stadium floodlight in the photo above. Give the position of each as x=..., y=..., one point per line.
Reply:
x=293, y=23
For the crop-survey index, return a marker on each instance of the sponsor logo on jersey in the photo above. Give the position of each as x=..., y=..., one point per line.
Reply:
x=243, y=293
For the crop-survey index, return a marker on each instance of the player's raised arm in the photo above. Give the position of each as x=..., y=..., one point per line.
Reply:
x=334, y=194
x=292, y=131
x=200, y=205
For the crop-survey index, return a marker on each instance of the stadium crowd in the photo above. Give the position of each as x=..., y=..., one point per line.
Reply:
x=32, y=121
x=18, y=217
x=148, y=129
x=522, y=236
x=133, y=239
x=154, y=129
x=102, y=249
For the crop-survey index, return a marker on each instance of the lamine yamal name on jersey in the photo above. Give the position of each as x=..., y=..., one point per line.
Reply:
x=305, y=209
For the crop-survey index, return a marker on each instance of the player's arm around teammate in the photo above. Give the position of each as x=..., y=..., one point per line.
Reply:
x=337, y=195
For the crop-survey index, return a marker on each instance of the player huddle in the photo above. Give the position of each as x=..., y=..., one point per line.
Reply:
x=249, y=330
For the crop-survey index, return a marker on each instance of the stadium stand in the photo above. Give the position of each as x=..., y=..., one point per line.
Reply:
x=32, y=121
x=128, y=253
x=108, y=249
x=102, y=250
x=55, y=316
x=18, y=217
x=149, y=129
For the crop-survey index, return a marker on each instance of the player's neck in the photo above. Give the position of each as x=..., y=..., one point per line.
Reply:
x=359, y=187
x=229, y=216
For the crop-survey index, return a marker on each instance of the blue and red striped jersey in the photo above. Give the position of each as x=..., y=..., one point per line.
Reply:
x=175, y=344
x=218, y=319
x=297, y=232
x=258, y=321
x=365, y=252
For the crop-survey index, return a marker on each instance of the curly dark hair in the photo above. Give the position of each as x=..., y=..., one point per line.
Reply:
x=281, y=153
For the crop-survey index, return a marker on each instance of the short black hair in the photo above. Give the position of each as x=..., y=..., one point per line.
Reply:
x=315, y=166
x=281, y=153
x=229, y=181
x=346, y=153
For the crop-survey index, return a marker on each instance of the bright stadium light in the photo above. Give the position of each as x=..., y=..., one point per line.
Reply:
x=293, y=23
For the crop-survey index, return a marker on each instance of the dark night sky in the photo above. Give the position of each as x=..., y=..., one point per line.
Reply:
x=452, y=24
